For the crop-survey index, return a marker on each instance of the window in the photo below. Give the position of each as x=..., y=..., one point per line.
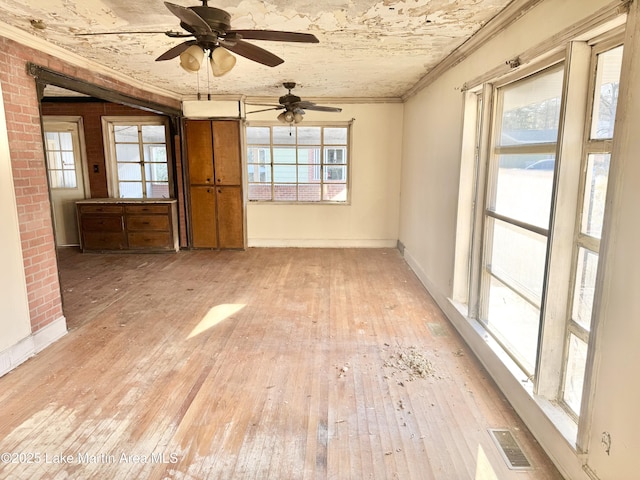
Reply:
x=137, y=157
x=518, y=210
x=298, y=163
x=528, y=269
x=61, y=163
x=607, y=65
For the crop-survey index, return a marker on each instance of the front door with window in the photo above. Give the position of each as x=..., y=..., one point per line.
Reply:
x=66, y=176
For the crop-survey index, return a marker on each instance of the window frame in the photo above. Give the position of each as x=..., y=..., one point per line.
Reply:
x=565, y=219
x=323, y=165
x=108, y=124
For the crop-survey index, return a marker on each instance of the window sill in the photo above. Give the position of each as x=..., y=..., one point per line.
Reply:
x=485, y=347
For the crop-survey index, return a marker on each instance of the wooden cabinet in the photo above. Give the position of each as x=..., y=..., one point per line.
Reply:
x=115, y=224
x=215, y=183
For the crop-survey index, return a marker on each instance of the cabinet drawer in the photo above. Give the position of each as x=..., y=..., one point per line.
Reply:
x=150, y=240
x=102, y=223
x=101, y=209
x=161, y=209
x=103, y=241
x=148, y=222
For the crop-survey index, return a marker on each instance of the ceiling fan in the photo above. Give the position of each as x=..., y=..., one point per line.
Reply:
x=293, y=106
x=210, y=30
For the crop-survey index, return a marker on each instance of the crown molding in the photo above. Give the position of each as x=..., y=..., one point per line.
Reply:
x=23, y=38
x=512, y=12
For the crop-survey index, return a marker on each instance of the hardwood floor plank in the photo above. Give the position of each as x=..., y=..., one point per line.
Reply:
x=257, y=364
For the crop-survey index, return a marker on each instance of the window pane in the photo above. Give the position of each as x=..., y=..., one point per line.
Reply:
x=284, y=173
x=130, y=189
x=518, y=258
x=335, y=174
x=70, y=179
x=514, y=322
x=155, y=153
x=335, y=155
x=284, y=192
x=259, y=192
x=334, y=192
x=258, y=155
x=56, y=178
x=309, y=155
x=55, y=160
x=531, y=110
x=153, y=134
x=335, y=136
x=523, y=188
x=66, y=141
x=258, y=135
x=156, y=172
x=309, y=135
x=126, y=133
x=68, y=161
x=595, y=192
x=284, y=155
x=574, y=374
x=127, y=153
x=587, y=268
x=605, y=99
x=258, y=173
x=129, y=171
x=157, y=189
x=309, y=173
x=309, y=193
x=284, y=135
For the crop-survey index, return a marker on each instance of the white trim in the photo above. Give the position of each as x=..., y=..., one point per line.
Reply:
x=321, y=243
x=31, y=345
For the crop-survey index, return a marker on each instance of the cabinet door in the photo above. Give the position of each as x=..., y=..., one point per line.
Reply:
x=226, y=152
x=199, y=152
x=230, y=217
x=203, y=217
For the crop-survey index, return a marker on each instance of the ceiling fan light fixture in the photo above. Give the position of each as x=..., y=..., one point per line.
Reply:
x=191, y=58
x=281, y=117
x=221, y=61
x=297, y=117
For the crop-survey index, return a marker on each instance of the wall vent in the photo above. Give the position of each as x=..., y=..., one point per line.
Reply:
x=510, y=450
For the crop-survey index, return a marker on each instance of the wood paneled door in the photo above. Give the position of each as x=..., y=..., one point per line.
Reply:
x=215, y=183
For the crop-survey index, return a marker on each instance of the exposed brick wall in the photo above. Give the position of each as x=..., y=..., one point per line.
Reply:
x=29, y=172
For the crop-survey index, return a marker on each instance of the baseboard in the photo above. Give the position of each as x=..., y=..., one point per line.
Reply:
x=321, y=243
x=29, y=346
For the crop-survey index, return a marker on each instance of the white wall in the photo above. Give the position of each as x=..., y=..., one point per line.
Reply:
x=14, y=307
x=371, y=219
x=429, y=186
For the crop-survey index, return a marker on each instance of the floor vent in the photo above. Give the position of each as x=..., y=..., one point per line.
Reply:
x=510, y=450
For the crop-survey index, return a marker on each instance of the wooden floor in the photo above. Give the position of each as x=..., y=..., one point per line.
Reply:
x=263, y=364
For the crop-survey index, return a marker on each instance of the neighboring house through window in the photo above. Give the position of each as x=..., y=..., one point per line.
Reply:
x=298, y=163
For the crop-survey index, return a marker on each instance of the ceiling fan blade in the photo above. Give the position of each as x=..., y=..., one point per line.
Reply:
x=267, y=109
x=190, y=18
x=320, y=108
x=175, y=51
x=169, y=33
x=253, y=52
x=276, y=36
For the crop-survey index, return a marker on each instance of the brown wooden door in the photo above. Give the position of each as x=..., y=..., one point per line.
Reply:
x=226, y=152
x=203, y=217
x=199, y=152
x=230, y=217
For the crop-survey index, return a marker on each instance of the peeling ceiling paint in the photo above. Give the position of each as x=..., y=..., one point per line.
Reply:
x=370, y=49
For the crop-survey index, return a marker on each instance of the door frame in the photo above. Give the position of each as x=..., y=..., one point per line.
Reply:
x=84, y=168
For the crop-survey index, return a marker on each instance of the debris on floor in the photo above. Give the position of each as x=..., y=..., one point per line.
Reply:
x=409, y=364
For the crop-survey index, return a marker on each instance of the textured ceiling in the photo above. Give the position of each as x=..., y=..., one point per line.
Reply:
x=368, y=49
